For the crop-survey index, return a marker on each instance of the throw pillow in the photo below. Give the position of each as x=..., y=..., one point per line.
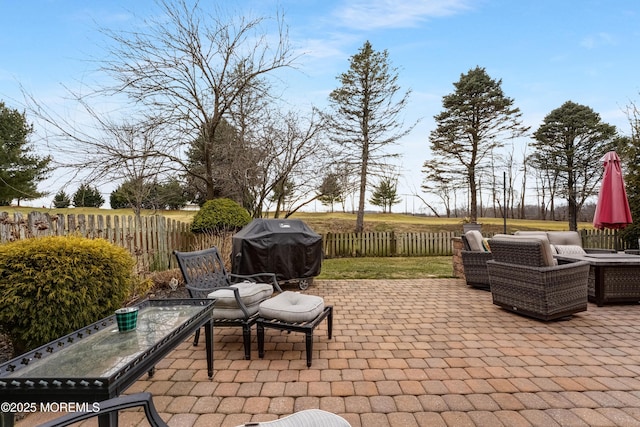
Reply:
x=474, y=237
x=569, y=250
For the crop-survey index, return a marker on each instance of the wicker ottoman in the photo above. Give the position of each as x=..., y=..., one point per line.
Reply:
x=293, y=312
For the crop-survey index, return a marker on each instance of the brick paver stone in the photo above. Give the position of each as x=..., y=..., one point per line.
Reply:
x=428, y=352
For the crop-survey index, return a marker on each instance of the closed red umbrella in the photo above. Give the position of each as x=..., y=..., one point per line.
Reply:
x=612, y=210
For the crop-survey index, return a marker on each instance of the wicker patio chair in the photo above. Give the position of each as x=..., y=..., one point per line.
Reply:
x=237, y=296
x=526, y=279
x=474, y=262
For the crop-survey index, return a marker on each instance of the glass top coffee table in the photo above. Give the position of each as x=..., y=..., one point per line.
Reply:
x=98, y=362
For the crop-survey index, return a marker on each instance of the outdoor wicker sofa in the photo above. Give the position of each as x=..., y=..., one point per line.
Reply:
x=474, y=260
x=527, y=280
x=564, y=242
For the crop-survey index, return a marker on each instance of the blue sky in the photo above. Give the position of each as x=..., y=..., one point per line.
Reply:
x=545, y=52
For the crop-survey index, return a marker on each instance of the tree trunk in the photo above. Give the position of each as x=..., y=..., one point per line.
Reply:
x=363, y=188
x=573, y=213
x=473, y=198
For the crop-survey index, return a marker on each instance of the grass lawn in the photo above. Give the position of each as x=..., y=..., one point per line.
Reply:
x=387, y=268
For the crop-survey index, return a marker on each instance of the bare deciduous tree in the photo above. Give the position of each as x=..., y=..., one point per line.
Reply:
x=183, y=74
x=440, y=183
x=189, y=68
x=294, y=153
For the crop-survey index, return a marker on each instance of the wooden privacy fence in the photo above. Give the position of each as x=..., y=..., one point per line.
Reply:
x=150, y=239
x=387, y=244
x=606, y=238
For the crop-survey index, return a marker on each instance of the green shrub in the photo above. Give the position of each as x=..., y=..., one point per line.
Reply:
x=51, y=286
x=220, y=215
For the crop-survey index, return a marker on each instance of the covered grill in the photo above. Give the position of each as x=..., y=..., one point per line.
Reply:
x=286, y=247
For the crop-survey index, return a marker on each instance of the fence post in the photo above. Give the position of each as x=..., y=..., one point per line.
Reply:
x=394, y=244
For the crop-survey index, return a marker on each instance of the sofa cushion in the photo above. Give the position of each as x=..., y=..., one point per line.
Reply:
x=292, y=307
x=545, y=247
x=250, y=293
x=474, y=237
x=532, y=234
x=564, y=238
x=569, y=250
x=555, y=237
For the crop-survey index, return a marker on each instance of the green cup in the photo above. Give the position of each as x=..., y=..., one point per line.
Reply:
x=127, y=318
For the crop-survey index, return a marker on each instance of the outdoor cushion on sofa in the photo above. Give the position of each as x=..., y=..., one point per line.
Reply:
x=569, y=242
x=569, y=250
x=474, y=238
x=546, y=250
x=563, y=238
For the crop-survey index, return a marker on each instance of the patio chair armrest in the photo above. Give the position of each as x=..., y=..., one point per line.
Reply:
x=196, y=292
x=534, y=270
x=271, y=278
x=113, y=405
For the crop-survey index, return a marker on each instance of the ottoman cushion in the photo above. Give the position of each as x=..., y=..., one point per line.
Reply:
x=292, y=307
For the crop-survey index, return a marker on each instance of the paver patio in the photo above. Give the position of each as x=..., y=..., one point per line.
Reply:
x=429, y=352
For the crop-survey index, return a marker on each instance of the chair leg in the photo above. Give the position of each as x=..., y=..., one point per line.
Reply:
x=260, y=331
x=330, y=322
x=195, y=340
x=246, y=334
x=309, y=345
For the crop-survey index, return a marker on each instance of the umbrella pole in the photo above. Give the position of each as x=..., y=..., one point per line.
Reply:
x=504, y=209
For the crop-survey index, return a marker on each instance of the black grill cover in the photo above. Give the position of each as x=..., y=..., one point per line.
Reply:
x=287, y=247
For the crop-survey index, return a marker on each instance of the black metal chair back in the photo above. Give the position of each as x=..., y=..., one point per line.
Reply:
x=203, y=271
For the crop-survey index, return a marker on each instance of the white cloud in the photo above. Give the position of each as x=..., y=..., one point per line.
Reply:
x=598, y=40
x=323, y=48
x=371, y=14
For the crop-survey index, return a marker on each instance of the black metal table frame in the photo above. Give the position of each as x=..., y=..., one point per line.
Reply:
x=38, y=390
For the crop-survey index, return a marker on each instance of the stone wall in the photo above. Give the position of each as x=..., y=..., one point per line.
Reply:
x=458, y=269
